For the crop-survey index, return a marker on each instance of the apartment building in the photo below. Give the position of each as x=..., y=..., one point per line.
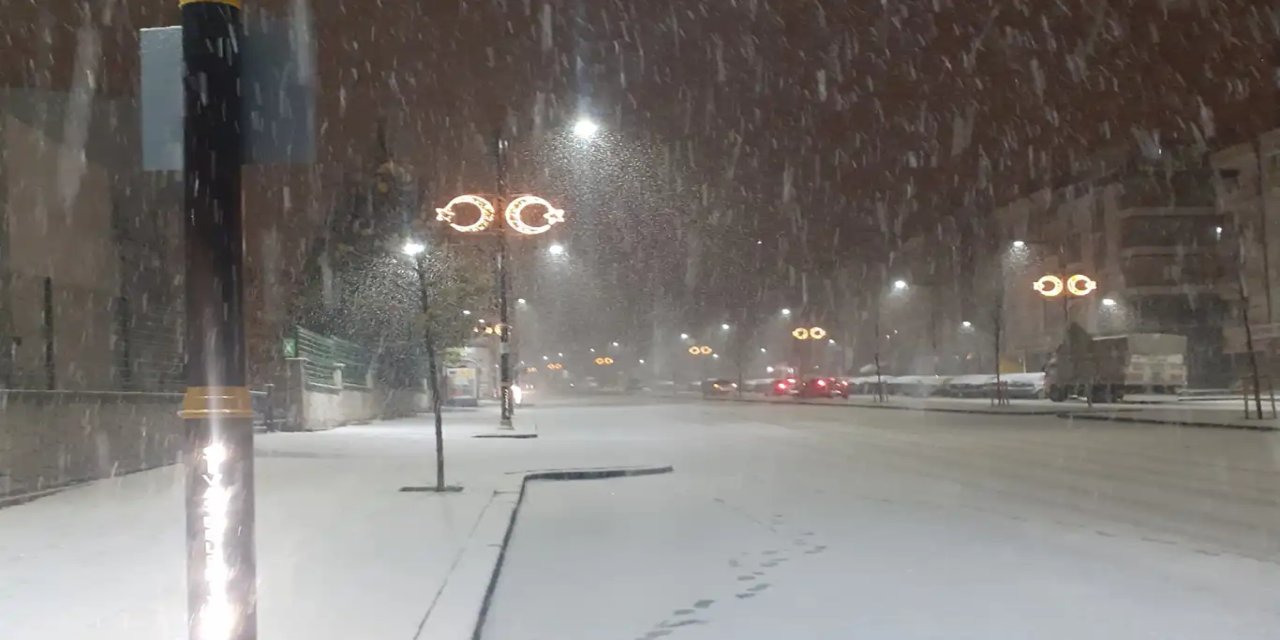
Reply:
x=1147, y=231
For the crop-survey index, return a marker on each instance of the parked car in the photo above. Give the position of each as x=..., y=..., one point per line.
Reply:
x=783, y=387
x=864, y=385
x=975, y=385
x=818, y=387
x=917, y=386
x=718, y=387
x=1023, y=385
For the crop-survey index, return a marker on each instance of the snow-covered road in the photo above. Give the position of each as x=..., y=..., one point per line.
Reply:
x=785, y=521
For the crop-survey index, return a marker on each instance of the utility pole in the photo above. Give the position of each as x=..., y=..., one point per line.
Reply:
x=504, y=335
x=221, y=567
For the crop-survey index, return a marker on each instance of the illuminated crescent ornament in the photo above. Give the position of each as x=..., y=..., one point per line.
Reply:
x=514, y=215
x=1081, y=285
x=800, y=334
x=1049, y=286
x=693, y=351
x=706, y=351
x=448, y=213
x=817, y=333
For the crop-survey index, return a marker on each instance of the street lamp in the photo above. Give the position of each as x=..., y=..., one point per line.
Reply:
x=556, y=249
x=615, y=344
x=521, y=301
x=1108, y=302
x=684, y=336
x=585, y=129
x=900, y=285
x=786, y=312
x=724, y=327
x=466, y=312
x=966, y=324
x=1019, y=244
x=413, y=249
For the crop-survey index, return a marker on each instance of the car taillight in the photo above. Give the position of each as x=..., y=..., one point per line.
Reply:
x=782, y=386
x=822, y=383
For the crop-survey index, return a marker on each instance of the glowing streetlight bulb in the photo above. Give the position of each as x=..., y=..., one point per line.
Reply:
x=1108, y=302
x=684, y=336
x=413, y=249
x=1019, y=244
x=466, y=312
x=966, y=324
x=585, y=129
x=556, y=249
x=899, y=285
x=724, y=327
x=614, y=344
x=786, y=312
x=642, y=361
x=763, y=350
x=521, y=301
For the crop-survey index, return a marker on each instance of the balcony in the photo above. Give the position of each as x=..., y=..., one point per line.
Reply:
x=1192, y=188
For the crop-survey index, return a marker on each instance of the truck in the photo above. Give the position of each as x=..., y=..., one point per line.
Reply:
x=1105, y=368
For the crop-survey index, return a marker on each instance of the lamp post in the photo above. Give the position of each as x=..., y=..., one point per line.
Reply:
x=512, y=220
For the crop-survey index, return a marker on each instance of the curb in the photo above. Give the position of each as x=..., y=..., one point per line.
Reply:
x=1064, y=415
x=454, y=612
x=1171, y=423
x=567, y=474
x=987, y=412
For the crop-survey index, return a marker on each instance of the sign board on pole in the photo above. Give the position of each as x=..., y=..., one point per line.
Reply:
x=278, y=76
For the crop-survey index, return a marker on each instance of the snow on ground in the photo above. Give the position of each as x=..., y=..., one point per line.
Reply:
x=898, y=524
x=790, y=522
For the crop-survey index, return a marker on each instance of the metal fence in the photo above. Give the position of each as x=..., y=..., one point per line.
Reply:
x=325, y=354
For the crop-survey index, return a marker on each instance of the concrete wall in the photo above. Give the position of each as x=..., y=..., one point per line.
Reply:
x=50, y=439
x=315, y=407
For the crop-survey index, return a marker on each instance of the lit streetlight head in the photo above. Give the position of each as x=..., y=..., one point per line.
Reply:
x=641, y=360
x=763, y=350
x=615, y=344
x=585, y=129
x=899, y=285
x=1108, y=302
x=556, y=249
x=684, y=336
x=966, y=324
x=724, y=327
x=1019, y=244
x=786, y=312
x=413, y=249
x=466, y=312
x=521, y=301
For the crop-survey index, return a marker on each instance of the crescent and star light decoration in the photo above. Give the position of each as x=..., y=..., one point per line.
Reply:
x=514, y=214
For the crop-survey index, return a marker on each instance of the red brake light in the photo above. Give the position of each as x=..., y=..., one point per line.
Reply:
x=782, y=386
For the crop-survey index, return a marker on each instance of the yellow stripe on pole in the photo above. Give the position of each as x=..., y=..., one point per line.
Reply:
x=201, y=403
x=234, y=3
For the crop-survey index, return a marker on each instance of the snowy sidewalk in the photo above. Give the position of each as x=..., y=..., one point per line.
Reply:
x=342, y=552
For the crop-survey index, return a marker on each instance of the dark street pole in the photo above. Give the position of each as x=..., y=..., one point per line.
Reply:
x=504, y=336
x=221, y=570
